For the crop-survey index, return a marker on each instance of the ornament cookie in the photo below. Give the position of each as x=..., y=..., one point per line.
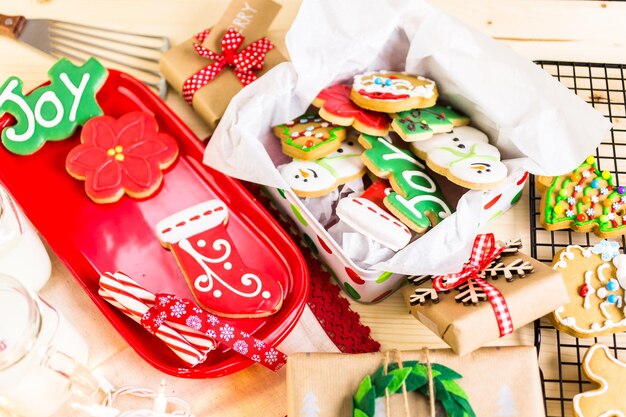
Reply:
x=605, y=370
x=309, y=137
x=214, y=269
x=422, y=124
x=465, y=157
x=318, y=178
x=121, y=156
x=416, y=199
x=392, y=92
x=336, y=107
x=595, y=278
x=54, y=111
x=372, y=221
x=585, y=200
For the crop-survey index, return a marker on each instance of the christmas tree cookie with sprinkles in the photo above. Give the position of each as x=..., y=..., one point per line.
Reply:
x=585, y=200
x=309, y=137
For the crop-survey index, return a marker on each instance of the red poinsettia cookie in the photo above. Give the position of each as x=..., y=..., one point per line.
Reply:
x=119, y=156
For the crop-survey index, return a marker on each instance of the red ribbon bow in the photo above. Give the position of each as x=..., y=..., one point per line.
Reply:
x=484, y=252
x=185, y=312
x=244, y=63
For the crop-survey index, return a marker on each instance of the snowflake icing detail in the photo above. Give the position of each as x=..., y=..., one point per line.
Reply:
x=594, y=199
x=586, y=174
x=178, y=309
x=616, y=206
x=590, y=212
x=227, y=332
x=271, y=356
x=611, y=216
x=571, y=200
x=604, y=190
x=240, y=347
x=608, y=249
x=623, y=199
x=578, y=188
x=194, y=322
x=570, y=213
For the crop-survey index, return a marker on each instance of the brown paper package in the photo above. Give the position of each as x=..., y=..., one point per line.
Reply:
x=182, y=61
x=498, y=381
x=466, y=328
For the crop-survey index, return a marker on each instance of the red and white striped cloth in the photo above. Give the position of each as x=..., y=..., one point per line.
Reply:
x=184, y=327
x=484, y=252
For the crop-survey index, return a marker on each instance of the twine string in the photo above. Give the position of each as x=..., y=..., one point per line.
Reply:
x=431, y=384
x=405, y=395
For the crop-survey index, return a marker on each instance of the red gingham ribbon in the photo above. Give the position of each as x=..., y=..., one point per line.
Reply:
x=484, y=252
x=244, y=63
x=185, y=312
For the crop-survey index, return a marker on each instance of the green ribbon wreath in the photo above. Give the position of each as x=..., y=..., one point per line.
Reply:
x=415, y=376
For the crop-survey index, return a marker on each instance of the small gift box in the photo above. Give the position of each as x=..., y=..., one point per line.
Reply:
x=489, y=382
x=211, y=67
x=498, y=290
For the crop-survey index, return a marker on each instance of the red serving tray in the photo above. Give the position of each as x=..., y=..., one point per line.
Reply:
x=95, y=238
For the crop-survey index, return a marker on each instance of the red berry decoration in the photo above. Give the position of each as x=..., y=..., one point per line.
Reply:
x=584, y=290
x=581, y=217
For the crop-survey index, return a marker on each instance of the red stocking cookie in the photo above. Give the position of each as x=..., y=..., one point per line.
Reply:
x=336, y=107
x=377, y=192
x=216, y=273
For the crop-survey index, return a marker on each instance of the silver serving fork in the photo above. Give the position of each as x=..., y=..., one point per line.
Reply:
x=130, y=52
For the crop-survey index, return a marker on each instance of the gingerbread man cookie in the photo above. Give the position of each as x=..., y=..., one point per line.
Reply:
x=422, y=124
x=392, y=92
x=465, y=157
x=336, y=107
x=214, y=268
x=585, y=200
x=605, y=370
x=318, y=178
x=595, y=278
x=416, y=199
x=308, y=137
x=121, y=156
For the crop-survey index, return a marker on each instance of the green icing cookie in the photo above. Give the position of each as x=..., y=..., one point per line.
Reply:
x=421, y=124
x=51, y=112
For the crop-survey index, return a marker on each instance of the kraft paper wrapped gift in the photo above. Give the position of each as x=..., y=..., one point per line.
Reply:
x=500, y=381
x=468, y=327
x=251, y=18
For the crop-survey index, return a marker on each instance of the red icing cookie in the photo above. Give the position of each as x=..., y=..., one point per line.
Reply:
x=336, y=107
x=120, y=156
x=215, y=271
x=377, y=192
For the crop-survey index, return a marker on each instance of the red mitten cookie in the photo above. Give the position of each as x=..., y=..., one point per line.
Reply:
x=215, y=271
x=336, y=107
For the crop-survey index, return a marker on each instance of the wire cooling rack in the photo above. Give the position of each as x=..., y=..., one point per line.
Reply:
x=603, y=86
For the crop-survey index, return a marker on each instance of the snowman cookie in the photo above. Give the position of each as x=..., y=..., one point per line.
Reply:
x=465, y=157
x=309, y=137
x=214, y=267
x=392, y=92
x=336, y=107
x=320, y=177
x=595, y=278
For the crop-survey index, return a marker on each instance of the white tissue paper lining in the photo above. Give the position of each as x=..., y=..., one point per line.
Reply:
x=527, y=114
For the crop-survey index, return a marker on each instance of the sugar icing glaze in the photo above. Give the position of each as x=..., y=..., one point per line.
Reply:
x=385, y=85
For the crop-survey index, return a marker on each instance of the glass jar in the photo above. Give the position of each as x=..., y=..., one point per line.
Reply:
x=41, y=354
x=22, y=254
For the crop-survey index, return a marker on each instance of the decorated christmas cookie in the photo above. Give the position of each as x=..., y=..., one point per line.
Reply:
x=416, y=199
x=119, y=156
x=392, y=92
x=609, y=375
x=51, y=112
x=318, y=178
x=336, y=107
x=372, y=221
x=596, y=280
x=584, y=200
x=309, y=137
x=421, y=124
x=214, y=268
x=377, y=192
x=465, y=157
x=412, y=376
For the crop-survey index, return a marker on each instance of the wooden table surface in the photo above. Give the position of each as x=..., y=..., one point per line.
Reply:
x=588, y=31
